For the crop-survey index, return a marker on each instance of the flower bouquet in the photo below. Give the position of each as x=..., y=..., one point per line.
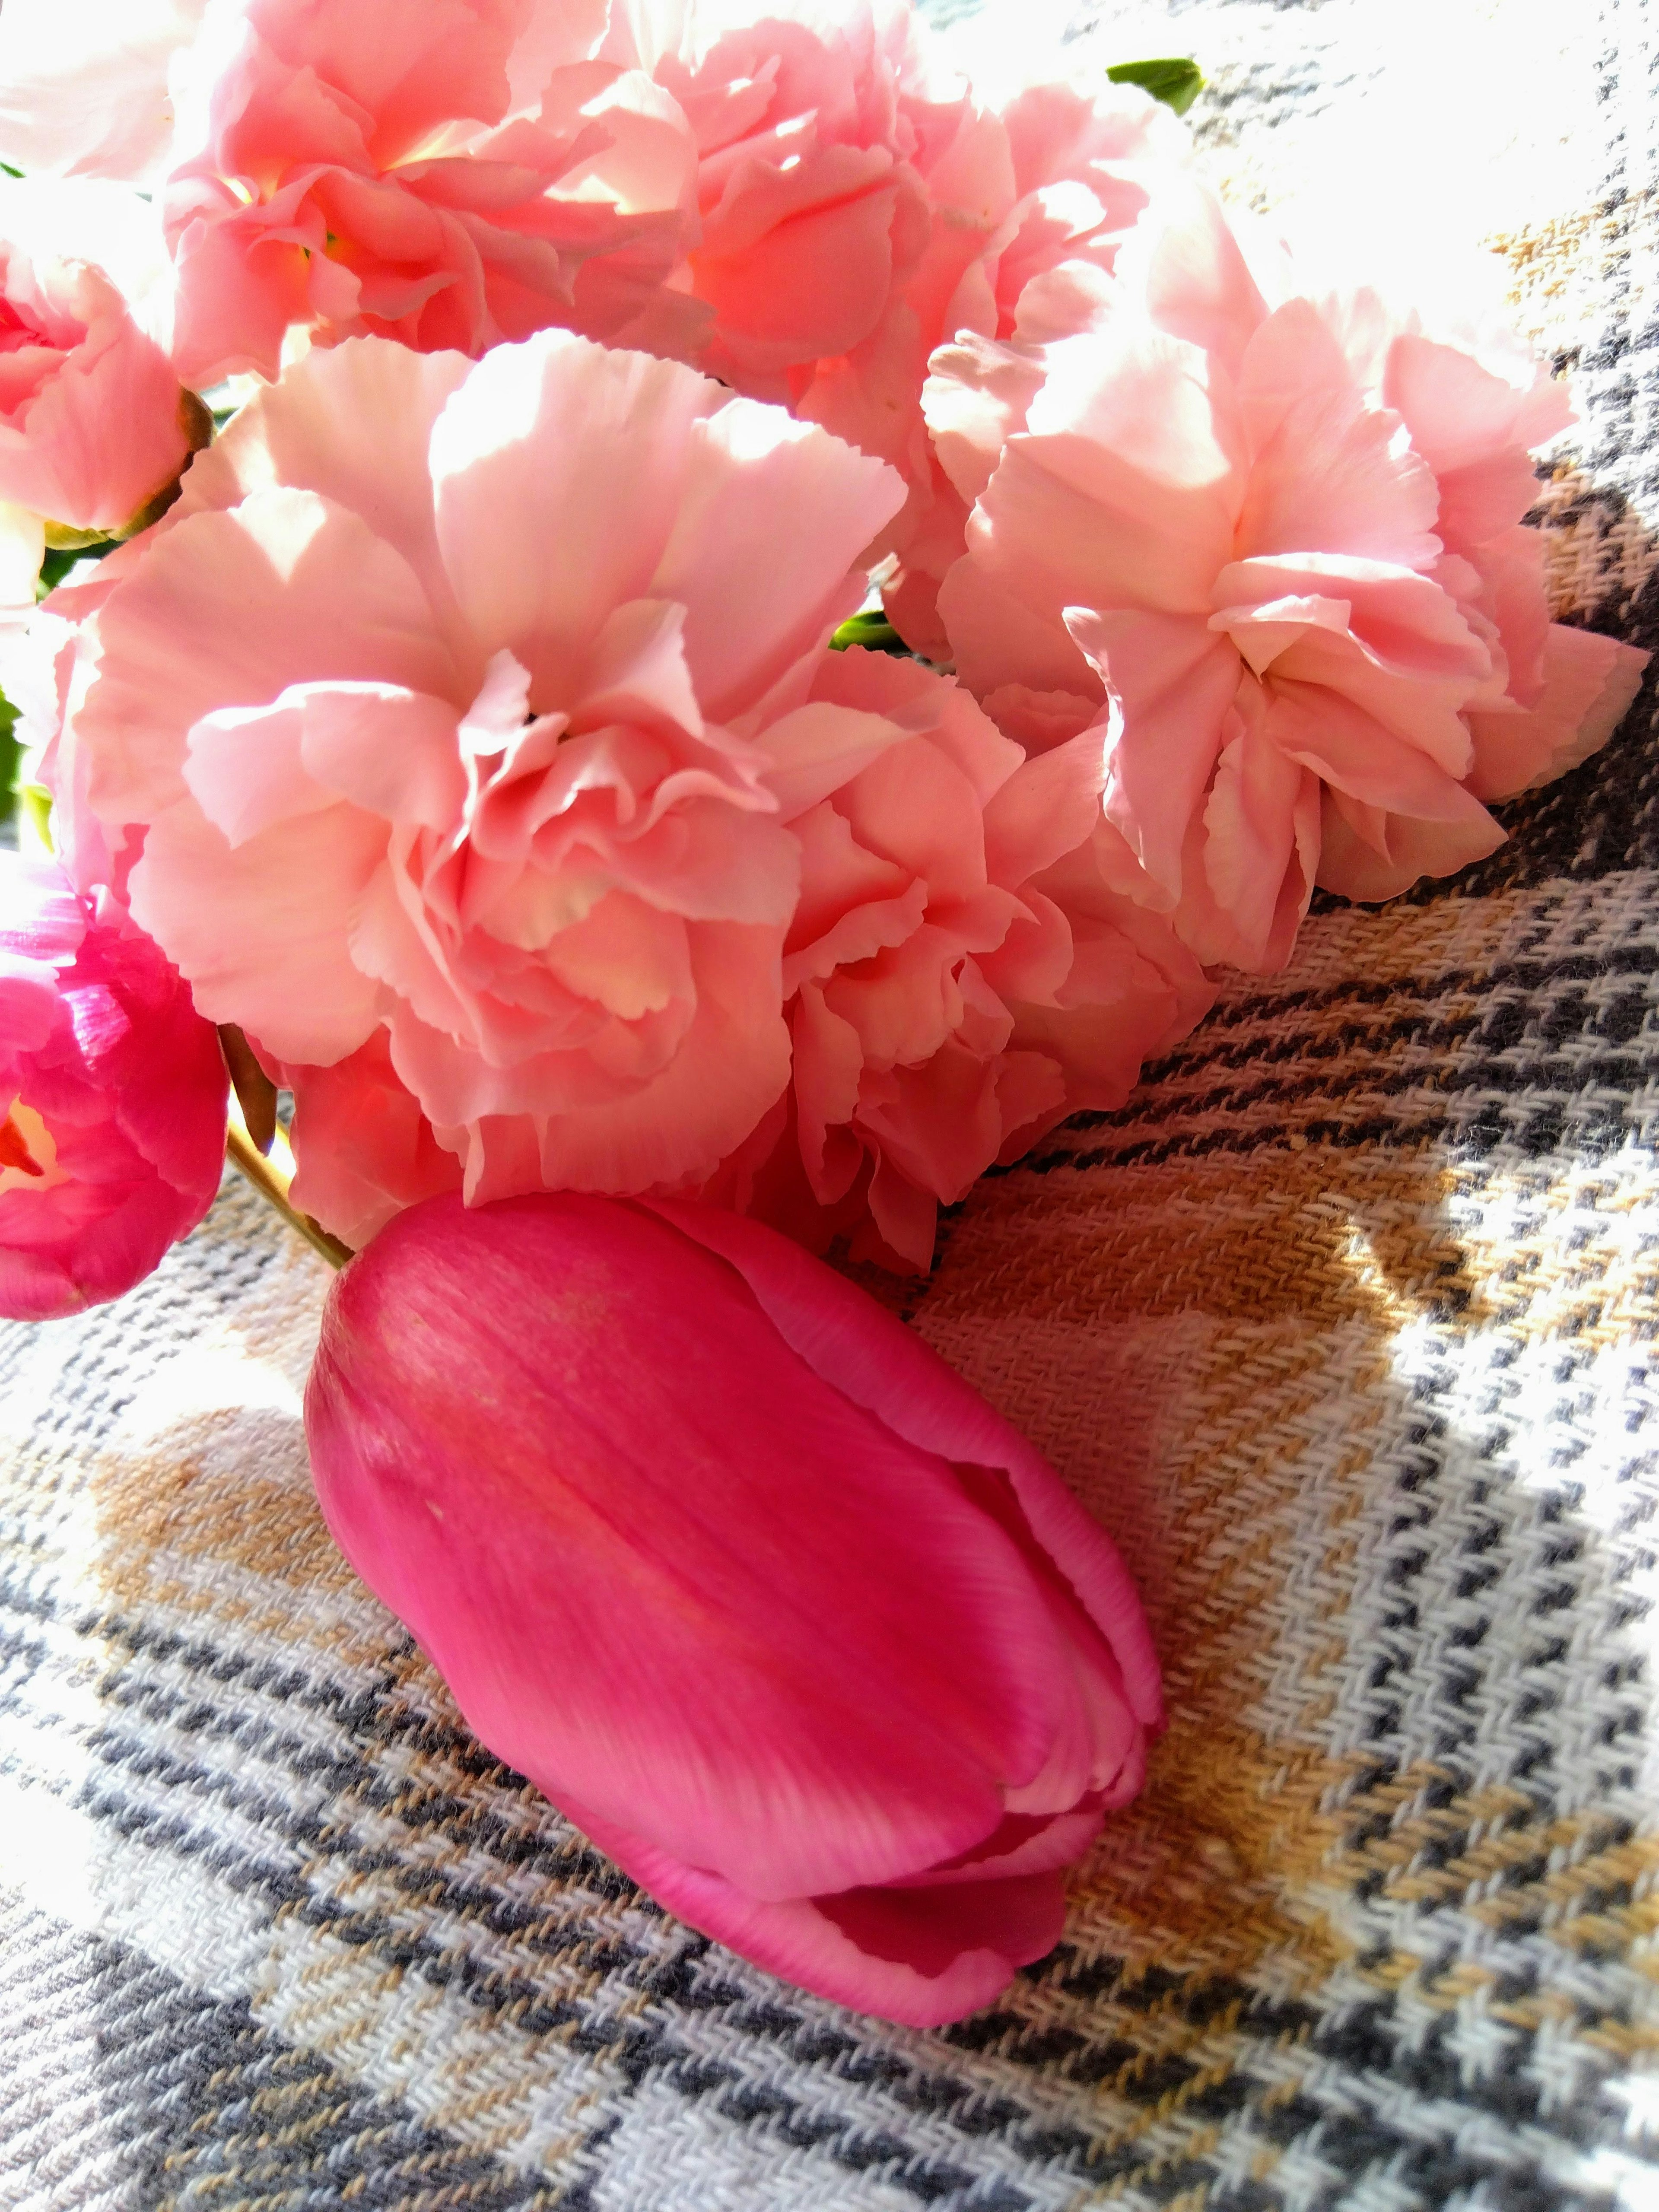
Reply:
x=642, y=640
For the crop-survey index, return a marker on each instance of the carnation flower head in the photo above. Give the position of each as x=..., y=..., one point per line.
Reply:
x=1269, y=535
x=450, y=173
x=92, y=423
x=1054, y=173
x=860, y=204
x=446, y=701
x=809, y=125
x=958, y=977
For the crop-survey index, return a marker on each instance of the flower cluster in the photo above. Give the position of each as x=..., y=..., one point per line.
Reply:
x=760, y=623
x=1265, y=538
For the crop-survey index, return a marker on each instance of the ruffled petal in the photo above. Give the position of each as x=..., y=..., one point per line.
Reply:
x=1473, y=427
x=260, y=931
x=1346, y=746
x=230, y=609
x=976, y=396
x=1588, y=685
x=1046, y=808
x=1330, y=473
x=1185, y=261
x=1352, y=865
x=558, y=469
x=1003, y=648
x=310, y=432
x=1172, y=683
x=363, y=1149
x=1244, y=902
x=94, y=104
x=760, y=590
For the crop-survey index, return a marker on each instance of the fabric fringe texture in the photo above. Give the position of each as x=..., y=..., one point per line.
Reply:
x=1344, y=1326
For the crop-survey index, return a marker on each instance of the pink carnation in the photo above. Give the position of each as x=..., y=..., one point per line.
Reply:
x=1054, y=174
x=364, y=1149
x=92, y=420
x=859, y=207
x=1270, y=541
x=85, y=94
x=112, y=1093
x=447, y=701
x=449, y=173
x=808, y=125
x=958, y=977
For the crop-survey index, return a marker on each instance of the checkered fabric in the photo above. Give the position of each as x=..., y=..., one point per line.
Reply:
x=1344, y=1325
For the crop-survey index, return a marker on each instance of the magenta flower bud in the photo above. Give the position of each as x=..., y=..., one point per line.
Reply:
x=744, y=1576
x=112, y=1098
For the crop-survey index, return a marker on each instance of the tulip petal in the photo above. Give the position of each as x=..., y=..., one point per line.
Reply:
x=682, y=1580
x=113, y=1086
x=922, y=1956
x=1027, y=1843
x=877, y=1361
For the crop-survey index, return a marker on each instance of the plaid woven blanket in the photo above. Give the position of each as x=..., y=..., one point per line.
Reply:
x=1344, y=1325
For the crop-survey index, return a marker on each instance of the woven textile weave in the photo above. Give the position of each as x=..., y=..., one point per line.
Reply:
x=1345, y=1327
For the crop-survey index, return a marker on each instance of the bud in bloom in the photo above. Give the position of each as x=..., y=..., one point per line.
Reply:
x=734, y=1567
x=111, y=1099
x=94, y=425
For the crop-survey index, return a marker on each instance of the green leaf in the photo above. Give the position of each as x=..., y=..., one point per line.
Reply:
x=1177, y=84
x=61, y=559
x=35, y=800
x=869, y=628
x=18, y=797
x=11, y=758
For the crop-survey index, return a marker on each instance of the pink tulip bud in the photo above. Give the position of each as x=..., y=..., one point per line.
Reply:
x=111, y=1098
x=740, y=1573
